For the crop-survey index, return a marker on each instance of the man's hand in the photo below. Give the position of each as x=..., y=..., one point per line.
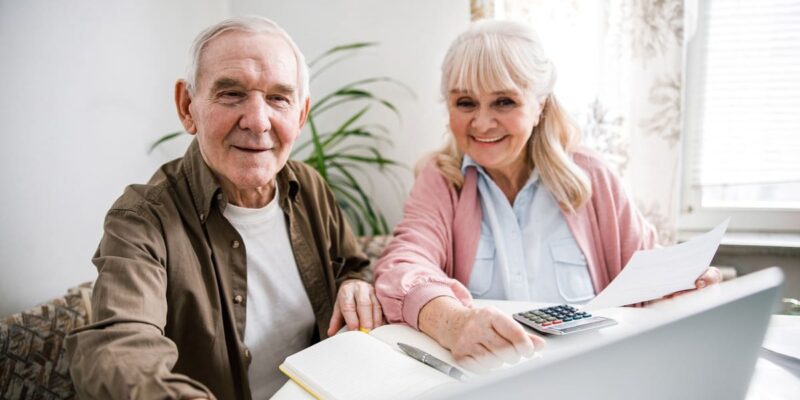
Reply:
x=356, y=306
x=480, y=339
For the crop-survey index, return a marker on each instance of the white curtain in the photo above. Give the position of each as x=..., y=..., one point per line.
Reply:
x=620, y=69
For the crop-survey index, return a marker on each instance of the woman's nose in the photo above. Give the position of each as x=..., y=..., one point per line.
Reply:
x=483, y=121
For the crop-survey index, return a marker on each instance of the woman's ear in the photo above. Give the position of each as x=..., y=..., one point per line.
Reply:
x=182, y=102
x=542, y=104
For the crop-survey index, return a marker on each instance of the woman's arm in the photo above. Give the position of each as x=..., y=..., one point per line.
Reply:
x=410, y=273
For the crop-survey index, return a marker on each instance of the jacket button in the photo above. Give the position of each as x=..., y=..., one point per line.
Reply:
x=235, y=244
x=238, y=299
x=247, y=354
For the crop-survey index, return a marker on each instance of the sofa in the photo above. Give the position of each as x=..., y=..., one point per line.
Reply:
x=33, y=362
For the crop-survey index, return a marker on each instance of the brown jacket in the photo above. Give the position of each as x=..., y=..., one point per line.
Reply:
x=168, y=307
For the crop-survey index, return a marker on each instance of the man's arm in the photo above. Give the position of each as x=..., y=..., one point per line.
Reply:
x=124, y=353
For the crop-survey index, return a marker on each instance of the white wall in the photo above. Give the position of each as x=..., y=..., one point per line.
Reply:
x=88, y=86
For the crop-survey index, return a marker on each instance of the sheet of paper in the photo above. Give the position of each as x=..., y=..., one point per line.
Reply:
x=782, y=337
x=652, y=274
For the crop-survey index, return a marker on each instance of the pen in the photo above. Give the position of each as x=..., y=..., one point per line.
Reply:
x=431, y=361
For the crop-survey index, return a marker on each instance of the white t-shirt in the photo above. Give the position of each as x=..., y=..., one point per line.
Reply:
x=280, y=320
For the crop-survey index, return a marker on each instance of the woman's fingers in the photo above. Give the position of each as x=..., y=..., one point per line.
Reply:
x=490, y=338
x=710, y=277
x=480, y=359
x=514, y=333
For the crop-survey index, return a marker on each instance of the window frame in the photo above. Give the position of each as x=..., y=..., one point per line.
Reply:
x=692, y=215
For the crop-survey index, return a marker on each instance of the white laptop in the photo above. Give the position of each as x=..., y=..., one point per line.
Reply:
x=702, y=345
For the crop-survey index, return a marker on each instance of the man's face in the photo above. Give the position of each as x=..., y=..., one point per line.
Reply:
x=245, y=109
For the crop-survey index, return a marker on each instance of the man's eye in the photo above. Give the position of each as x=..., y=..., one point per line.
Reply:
x=230, y=97
x=279, y=99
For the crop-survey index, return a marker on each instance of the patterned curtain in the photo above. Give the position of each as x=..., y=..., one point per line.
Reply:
x=619, y=74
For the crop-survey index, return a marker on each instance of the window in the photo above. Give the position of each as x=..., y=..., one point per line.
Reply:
x=742, y=115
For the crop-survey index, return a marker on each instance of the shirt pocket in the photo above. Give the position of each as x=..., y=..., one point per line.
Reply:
x=480, y=280
x=571, y=271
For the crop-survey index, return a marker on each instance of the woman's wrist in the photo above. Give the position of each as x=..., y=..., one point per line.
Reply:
x=441, y=318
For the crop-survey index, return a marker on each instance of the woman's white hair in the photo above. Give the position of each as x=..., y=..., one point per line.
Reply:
x=251, y=24
x=493, y=56
x=497, y=55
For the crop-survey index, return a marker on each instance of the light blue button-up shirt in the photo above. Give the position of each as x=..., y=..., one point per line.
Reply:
x=526, y=251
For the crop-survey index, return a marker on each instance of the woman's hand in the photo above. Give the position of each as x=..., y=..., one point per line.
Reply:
x=711, y=276
x=356, y=306
x=480, y=339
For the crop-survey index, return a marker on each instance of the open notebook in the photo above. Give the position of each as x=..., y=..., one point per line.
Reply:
x=356, y=365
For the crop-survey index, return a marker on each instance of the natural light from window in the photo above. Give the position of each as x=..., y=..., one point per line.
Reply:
x=746, y=125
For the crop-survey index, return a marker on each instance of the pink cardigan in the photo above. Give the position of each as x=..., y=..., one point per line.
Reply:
x=434, y=246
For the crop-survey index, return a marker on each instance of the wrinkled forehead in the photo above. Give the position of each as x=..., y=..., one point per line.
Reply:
x=240, y=50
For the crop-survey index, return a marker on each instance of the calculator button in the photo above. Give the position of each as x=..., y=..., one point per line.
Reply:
x=547, y=324
x=567, y=319
x=558, y=321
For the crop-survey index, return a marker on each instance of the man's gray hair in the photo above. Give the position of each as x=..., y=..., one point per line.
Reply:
x=251, y=24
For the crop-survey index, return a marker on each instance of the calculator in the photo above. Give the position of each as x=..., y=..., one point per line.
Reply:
x=561, y=320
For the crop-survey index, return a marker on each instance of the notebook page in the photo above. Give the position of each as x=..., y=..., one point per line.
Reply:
x=394, y=333
x=354, y=365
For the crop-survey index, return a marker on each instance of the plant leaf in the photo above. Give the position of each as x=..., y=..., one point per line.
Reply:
x=341, y=48
x=163, y=139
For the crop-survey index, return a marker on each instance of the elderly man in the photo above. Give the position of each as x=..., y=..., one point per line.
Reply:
x=232, y=257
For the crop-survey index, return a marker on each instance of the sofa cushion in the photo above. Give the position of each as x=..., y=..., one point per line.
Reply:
x=33, y=362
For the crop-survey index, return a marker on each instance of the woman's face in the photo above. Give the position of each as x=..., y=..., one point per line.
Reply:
x=493, y=128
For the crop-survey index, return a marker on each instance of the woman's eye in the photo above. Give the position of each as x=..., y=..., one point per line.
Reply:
x=465, y=103
x=505, y=102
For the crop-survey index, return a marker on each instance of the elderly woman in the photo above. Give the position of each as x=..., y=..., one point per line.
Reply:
x=512, y=208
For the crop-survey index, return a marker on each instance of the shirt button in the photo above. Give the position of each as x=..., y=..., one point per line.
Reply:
x=235, y=244
x=219, y=196
x=238, y=299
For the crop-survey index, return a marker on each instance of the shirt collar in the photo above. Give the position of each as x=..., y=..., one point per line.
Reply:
x=205, y=187
x=467, y=162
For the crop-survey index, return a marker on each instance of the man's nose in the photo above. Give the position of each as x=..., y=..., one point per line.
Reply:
x=483, y=120
x=256, y=115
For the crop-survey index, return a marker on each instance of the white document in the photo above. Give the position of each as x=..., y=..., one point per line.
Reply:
x=652, y=274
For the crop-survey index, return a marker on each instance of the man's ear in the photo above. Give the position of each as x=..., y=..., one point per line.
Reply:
x=182, y=102
x=304, y=112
